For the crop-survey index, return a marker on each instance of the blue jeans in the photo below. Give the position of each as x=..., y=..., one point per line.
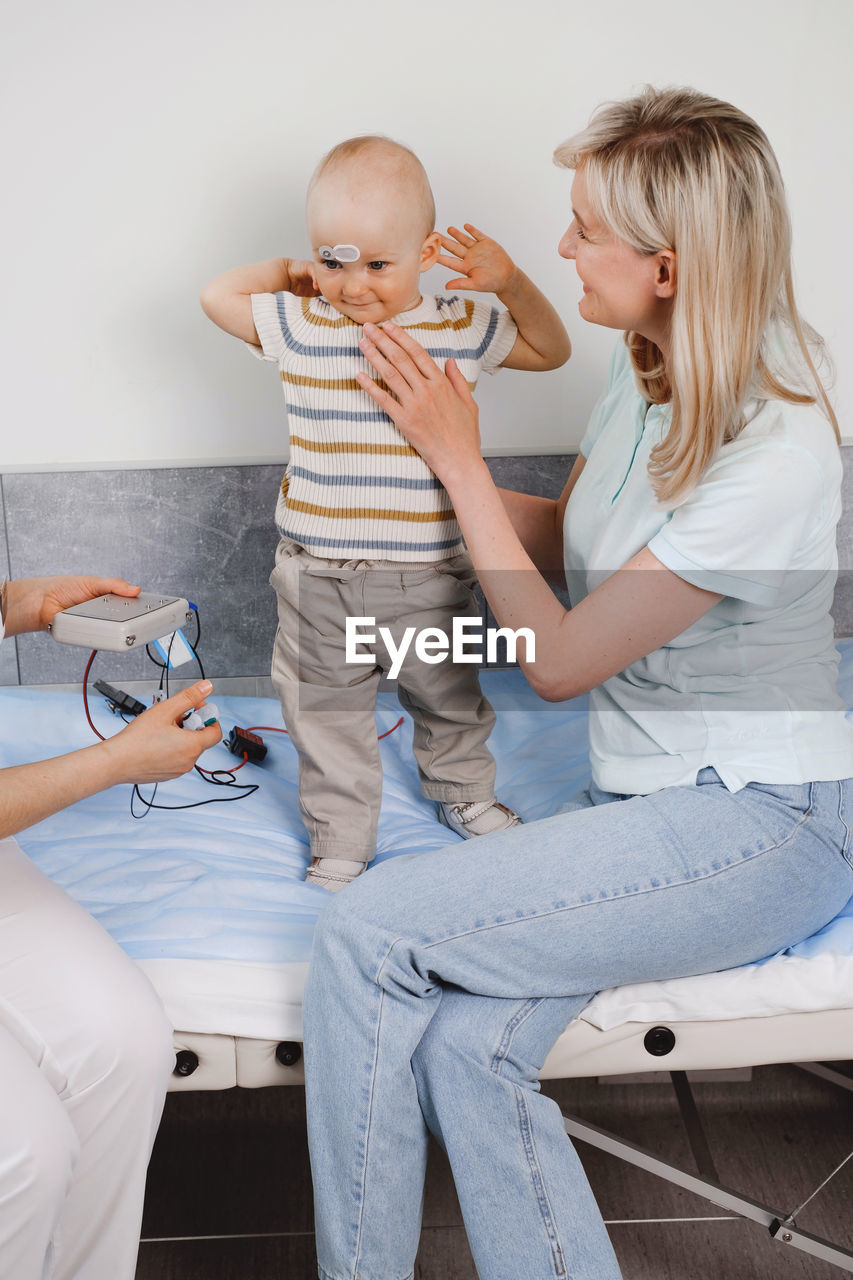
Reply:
x=439, y=982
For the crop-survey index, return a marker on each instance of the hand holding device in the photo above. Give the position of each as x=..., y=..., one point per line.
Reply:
x=31, y=603
x=119, y=622
x=201, y=717
x=152, y=748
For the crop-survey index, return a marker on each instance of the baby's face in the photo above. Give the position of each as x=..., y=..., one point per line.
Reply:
x=387, y=230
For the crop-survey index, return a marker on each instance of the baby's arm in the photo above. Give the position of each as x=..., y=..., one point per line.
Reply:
x=227, y=299
x=542, y=341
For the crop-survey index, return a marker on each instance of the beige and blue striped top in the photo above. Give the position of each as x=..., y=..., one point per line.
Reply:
x=354, y=488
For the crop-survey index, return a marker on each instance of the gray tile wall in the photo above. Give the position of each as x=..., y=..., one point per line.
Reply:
x=205, y=533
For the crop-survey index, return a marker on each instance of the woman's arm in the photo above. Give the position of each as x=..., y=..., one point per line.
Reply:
x=639, y=608
x=152, y=748
x=538, y=524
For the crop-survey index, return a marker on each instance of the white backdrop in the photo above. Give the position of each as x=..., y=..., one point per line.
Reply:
x=149, y=147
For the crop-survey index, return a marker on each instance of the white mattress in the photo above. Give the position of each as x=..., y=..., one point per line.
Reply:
x=211, y=902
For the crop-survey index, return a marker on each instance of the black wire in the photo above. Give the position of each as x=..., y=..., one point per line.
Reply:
x=163, y=666
x=197, y=658
x=156, y=661
x=168, y=661
x=215, y=777
x=193, y=646
x=149, y=804
x=197, y=804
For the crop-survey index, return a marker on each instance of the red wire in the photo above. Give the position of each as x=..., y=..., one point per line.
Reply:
x=271, y=728
x=232, y=768
x=96, y=732
x=255, y=728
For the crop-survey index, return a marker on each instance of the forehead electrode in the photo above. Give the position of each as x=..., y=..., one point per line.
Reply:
x=339, y=253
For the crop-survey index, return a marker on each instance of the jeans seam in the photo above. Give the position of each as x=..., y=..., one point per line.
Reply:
x=557, y=1256
x=845, y=848
x=618, y=896
x=369, y=1118
x=500, y=1055
x=522, y=1110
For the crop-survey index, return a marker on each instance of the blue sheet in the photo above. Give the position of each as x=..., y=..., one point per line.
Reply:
x=225, y=882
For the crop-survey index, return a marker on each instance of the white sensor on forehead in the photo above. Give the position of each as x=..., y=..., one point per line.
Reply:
x=339, y=253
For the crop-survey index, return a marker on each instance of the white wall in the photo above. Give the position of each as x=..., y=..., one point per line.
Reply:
x=151, y=146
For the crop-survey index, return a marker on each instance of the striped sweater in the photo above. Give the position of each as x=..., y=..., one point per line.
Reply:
x=354, y=488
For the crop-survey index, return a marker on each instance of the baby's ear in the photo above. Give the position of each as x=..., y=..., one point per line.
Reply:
x=430, y=251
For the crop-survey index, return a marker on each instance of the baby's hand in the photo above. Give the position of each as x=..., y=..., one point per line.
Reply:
x=485, y=266
x=303, y=279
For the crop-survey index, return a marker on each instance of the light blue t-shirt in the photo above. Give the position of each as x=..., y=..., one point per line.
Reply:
x=750, y=688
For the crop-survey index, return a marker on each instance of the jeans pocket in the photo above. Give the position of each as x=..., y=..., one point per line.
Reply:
x=461, y=568
x=285, y=554
x=798, y=797
x=410, y=579
x=829, y=803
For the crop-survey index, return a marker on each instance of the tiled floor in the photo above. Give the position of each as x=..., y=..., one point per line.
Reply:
x=233, y=1167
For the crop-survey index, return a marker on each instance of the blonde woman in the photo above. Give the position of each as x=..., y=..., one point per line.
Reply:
x=697, y=532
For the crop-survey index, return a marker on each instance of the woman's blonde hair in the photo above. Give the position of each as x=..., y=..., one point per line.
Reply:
x=675, y=169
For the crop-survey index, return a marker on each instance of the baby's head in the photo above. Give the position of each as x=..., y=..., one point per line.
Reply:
x=371, y=197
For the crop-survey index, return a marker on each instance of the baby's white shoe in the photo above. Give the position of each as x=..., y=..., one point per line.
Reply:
x=477, y=817
x=334, y=873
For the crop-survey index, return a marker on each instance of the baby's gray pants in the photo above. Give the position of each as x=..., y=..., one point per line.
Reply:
x=329, y=705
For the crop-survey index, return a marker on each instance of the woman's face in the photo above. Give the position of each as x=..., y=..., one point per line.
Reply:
x=622, y=288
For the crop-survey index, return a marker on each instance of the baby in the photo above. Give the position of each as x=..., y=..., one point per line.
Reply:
x=367, y=532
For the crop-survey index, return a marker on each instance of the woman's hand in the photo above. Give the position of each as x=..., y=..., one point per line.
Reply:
x=433, y=409
x=32, y=603
x=482, y=263
x=154, y=748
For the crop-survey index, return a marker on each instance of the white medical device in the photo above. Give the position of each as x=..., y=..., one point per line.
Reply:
x=120, y=622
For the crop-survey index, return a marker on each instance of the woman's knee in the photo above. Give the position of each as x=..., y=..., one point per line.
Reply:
x=509, y=1039
x=146, y=1043
x=123, y=1034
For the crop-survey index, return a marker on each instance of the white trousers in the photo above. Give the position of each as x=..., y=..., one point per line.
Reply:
x=85, y=1058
